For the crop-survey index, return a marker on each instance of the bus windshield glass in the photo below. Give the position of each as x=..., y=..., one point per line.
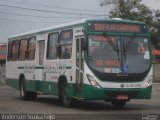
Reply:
x=118, y=54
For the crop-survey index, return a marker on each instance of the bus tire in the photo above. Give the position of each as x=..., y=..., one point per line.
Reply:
x=118, y=104
x=66, y=101
x=26, y=95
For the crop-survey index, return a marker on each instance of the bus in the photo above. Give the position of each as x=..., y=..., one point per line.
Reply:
x=91, y=59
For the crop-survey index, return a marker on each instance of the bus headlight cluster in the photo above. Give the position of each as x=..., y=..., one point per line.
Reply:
x=92, y=81
x=148, y=82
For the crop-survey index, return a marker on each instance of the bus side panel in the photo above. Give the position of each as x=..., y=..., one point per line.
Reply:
x=49, y=87
x=12, y=76
x=45, y=87
x=32, y=85
x=12, y=82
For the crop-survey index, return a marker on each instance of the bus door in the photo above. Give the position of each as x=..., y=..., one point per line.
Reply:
x=79, y=65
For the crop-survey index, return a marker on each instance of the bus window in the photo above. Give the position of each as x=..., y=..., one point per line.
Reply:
x=52, y=46
x=23, y=49
x=15, y=50
x=9, y=50
x=66, y=38
x=41, y=45
x=31, y=48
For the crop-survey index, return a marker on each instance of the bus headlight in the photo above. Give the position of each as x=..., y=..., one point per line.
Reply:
x=92, y=81
x=148, y=82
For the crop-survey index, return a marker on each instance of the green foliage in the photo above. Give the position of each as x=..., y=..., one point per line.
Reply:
x=155, y=37
x=136, y=10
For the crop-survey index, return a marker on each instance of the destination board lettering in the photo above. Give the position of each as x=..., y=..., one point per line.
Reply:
x=117, y=27
x=102, y=38
x=107, y=63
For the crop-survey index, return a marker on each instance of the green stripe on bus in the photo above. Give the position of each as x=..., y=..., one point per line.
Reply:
x=20, y=67
x=51, y=88
x=38, y=67
x=31, y=67
x=12, y=82
x=68, y=67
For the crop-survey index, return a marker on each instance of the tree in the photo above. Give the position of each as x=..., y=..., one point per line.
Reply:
x=136, y=10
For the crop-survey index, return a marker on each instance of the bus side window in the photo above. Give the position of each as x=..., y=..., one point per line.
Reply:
x=23, y=49
x=31, y=48
x=15, y=50
x=9, y=50
x=52, y=46
x=66, y=38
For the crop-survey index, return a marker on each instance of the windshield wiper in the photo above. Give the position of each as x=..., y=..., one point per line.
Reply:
x=111, y=43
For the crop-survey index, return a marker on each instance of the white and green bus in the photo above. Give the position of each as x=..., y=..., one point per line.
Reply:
x=107, y=59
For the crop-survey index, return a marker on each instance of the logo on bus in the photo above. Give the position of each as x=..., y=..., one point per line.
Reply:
x=29, y=68
x=122, y=85
x=55, y=68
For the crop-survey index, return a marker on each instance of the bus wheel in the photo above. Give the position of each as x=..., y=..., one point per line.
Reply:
x=67, y=102
x=119, y=104
x=25, y=95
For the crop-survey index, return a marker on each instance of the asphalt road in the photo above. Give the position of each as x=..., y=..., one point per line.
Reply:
x=11, y=103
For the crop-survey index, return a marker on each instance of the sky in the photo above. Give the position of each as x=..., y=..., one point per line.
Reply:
x=154, y=4
x=18, y=16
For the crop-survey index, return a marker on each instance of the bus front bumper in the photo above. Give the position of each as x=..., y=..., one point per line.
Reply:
x=94, y=93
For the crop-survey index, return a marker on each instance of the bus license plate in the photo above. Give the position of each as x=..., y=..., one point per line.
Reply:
x=122, y=97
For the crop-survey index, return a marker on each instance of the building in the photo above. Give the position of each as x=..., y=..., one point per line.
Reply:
x=3, y=52
x=156, y=54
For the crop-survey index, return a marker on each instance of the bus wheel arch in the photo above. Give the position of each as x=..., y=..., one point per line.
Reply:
x=63, y=91
x=22, y=87
x=24, y=94
x=61, y=80
x=21, y=79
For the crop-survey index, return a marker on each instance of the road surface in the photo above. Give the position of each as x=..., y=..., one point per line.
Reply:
x=11, y=103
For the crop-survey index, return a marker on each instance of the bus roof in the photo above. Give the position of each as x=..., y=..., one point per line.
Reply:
x=47, y=29
x=38, y=31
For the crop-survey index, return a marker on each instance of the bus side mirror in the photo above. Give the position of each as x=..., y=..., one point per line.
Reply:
x=84, y=44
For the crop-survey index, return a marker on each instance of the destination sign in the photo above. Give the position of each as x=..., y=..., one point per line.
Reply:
x=116, y=27
x=107, y=63
x=102, y=38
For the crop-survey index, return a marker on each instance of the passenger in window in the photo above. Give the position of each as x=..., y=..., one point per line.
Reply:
x=66, y=54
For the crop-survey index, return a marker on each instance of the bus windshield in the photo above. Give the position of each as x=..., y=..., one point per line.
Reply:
x=118, y=54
